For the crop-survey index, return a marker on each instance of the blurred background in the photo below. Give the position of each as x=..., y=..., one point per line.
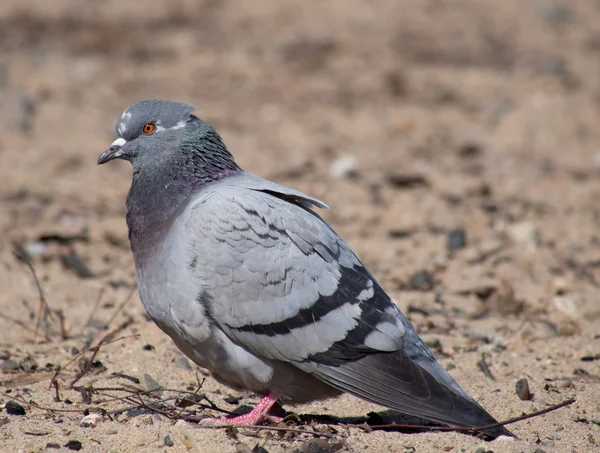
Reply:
x=456, y=141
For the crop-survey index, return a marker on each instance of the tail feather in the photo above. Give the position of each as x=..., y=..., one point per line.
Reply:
x=395, y=381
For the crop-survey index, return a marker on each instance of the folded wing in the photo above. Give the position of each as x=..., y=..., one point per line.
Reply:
x=286, y=287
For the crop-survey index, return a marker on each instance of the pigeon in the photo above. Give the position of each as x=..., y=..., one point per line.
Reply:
x=252, y=284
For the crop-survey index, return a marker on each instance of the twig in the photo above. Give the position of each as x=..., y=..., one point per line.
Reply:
x=37, y=406
x=136, y=391
x=483, y=367
x=510, y=421
x=93, y=313
x=284, y=429
x=121, y=305
x=526, y=416
x=200, y=384
x=44, y=309
x=56, y=392
x=106, y=339
x=61, y=324
x=92, y=348
x=18, y=322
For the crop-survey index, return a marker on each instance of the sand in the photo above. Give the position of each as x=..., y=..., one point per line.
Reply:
x=417, y=122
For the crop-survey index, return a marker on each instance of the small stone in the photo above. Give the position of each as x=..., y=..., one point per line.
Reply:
x=433, y=343
x=561, y=286
x=73, y=445
x=9, y=365
x=183, y=363
x=556, y=14
x=319, y=446
x=259, y=449
x=230, y=399
x=344, y=167
x=548, y=443
x=406, y=180
x=148, y=347
x=90, y=421
x=522, y=389
x=524, y=233
x=14, y=408
x=457, y=239
x=28, y=364
x=35, y=248
x=137, y=412
x=151, y=385
x=74, y=351
x=470, y=149
x=566, y=305
x=168, y=441
x=422, y=281
x=52, y=445
x=242, y=448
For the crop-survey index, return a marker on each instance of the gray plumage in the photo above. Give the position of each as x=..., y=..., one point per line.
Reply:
x=252, y=284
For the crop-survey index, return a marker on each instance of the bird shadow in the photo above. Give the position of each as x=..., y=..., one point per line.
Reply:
x=386, y=420
x=374, y=419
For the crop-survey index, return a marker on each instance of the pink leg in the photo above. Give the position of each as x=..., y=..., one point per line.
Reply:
x=256, y=416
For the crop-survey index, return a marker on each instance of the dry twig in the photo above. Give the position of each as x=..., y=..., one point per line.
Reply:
x=44, y=309
x=475, y=429
x=94, y=349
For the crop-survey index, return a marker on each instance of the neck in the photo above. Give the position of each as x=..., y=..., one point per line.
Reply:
x=151, y=209
x=155, y=198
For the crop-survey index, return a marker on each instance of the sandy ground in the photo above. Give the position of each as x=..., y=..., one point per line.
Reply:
x=412, y=119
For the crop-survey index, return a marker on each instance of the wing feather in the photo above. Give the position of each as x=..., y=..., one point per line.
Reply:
x=285, y=287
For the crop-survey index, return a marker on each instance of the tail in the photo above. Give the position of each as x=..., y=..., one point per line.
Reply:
x=395, y=381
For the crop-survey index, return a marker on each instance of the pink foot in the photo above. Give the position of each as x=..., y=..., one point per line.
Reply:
x=256, y=416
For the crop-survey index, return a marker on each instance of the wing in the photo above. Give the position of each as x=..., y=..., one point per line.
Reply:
x=284, y=286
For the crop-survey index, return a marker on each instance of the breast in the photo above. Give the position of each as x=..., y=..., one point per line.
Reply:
x=170, y=292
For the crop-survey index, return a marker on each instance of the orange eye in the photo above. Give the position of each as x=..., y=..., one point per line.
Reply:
x=148, y=128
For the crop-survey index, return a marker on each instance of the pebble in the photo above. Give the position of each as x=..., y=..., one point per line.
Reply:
x=483, y=450
x=168, y=441
x=422, y=281
x=470, y=149
x=73, y=445
x=183, y=363
x=457, y=239
x=14, y=408
x=566, y=305
x=9, y=365
x=91, y=420
x=318, y=446
x=35, y=248
x=524, y=233
x=344, y=167
x=230, y=399
x=522, y=389
x=150, y=385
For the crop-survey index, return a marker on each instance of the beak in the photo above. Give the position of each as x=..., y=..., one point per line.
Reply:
x=114, y=152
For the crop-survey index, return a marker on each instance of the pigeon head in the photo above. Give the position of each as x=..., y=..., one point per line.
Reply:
x=164, y=136
x=173, y=153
